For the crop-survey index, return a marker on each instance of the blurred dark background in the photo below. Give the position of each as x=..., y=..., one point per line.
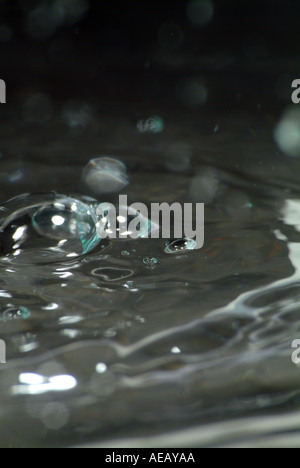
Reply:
x=133, y=50
x=83, y=75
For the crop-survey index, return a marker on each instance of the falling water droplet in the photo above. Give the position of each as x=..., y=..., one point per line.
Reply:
x=180, y=246
x=105, y=175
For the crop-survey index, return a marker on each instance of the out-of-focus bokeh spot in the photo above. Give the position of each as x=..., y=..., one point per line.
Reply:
x=200, y=12
x=37, y=109
x=152, y=125
x=192, y=93
x=105, y=175
x=287, y=132
x=179, y=155
x=206, y=186
x=77, y=113
x=170, y=35
x=43, y=21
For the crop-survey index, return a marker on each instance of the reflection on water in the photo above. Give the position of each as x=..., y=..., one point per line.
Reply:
x=115, y=341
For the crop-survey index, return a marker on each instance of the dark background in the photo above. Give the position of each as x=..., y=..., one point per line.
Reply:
x=114, y=51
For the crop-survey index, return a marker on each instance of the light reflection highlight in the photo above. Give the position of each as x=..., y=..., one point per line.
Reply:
x=35, y=384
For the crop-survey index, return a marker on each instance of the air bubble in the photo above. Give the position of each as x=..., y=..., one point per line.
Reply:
x=150, y=261
x=180, y=246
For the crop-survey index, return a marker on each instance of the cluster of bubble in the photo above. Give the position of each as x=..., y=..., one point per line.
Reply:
x=151, y=125
x=66, y=226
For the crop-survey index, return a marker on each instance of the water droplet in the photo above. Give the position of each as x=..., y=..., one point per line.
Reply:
x=105, y=175
x=180, y=246
x=125, y=253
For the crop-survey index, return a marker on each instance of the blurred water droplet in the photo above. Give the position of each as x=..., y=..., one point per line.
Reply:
x=16, y=176
x=179, y=157
x=37, y=109
x=101, y=368
x=42, y=22
x=200, y=12
x=180, y=246
x=105, y=175
x=206, y=186
x=55, y=415
x=151, y=125
x=77, y=114
x=73, y=10
x=287, y=132
x=193, y=93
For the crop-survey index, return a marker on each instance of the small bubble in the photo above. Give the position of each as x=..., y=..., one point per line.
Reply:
x=25, y=312
x=125, y=253
x=150, y=261
x=180, y=246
